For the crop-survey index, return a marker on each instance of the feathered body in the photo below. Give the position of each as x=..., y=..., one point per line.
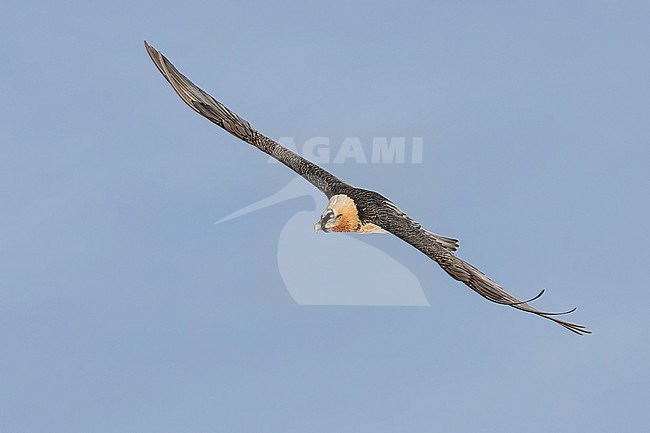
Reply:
x=350, y=209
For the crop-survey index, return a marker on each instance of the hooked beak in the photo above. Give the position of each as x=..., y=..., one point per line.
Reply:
x=324, y=219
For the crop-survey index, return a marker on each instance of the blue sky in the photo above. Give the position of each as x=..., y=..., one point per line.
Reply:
x=124, y=308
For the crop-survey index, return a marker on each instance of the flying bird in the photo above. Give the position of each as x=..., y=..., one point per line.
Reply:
x=351, y=209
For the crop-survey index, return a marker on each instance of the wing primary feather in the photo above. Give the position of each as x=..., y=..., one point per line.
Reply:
x=539, y=295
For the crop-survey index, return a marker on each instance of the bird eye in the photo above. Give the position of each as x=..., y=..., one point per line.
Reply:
x=328, y=215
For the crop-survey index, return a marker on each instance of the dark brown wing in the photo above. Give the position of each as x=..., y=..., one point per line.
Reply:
x=390, y=218
x=216, y=112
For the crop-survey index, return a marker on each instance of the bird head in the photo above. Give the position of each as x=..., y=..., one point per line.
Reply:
x=340, y=216
x=328, y=220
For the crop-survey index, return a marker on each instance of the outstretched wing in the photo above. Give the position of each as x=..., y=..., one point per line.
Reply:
x=216, y=112
x=390, y=218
